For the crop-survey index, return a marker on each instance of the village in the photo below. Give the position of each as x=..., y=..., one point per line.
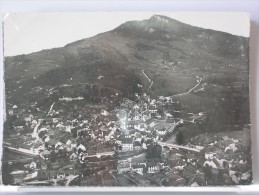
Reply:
x=135, y=144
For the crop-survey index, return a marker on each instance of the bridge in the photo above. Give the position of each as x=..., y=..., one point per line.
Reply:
x=174, y=125
x=177, y=146
x=171, y=129
x=98, y=155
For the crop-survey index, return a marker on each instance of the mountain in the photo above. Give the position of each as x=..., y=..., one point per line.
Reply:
x=159, y=56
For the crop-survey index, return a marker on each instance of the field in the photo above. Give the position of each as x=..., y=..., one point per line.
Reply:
x=167, y=82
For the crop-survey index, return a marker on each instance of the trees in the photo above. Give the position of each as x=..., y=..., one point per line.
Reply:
x=208, y=172
x=6, y=176
x=180, y=137
x=52, y=156
x=154, y=151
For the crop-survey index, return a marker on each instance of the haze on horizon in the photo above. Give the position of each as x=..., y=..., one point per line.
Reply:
x=25, y=33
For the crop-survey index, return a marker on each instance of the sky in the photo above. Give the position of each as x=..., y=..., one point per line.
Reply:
x=25, y=33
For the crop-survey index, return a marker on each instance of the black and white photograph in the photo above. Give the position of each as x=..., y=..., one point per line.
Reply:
x=126, y=99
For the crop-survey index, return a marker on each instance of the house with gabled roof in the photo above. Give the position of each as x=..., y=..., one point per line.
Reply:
x=73, y=157
x=152, y=167
x=53, y=174
x=210, y=163
x=33, y=165
x=46, y=154
x=127, y=144
x=122, y=168
x=139, y=168
x=81, y=147
x=58, y=145
x=61, y=174
x=52, y=142
x=197, y=181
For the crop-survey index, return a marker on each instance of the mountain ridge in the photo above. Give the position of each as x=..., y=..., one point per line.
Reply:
x=171, y=52
x=154, y=16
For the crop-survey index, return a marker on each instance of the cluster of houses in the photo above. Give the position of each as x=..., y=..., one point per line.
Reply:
x=223, y=160
x=138, y=114
x=127, y=131
x=142, y=120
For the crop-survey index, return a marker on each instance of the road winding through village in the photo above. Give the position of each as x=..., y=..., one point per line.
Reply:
x=50, y=109
x=35, y=131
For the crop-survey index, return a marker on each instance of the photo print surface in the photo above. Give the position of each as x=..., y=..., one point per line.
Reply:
x=126, y=99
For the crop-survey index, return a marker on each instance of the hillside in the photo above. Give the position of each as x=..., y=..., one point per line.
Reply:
x=159, y=56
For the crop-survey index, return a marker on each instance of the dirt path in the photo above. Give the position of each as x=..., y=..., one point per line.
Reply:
x=190, y=90
x=149, y=80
